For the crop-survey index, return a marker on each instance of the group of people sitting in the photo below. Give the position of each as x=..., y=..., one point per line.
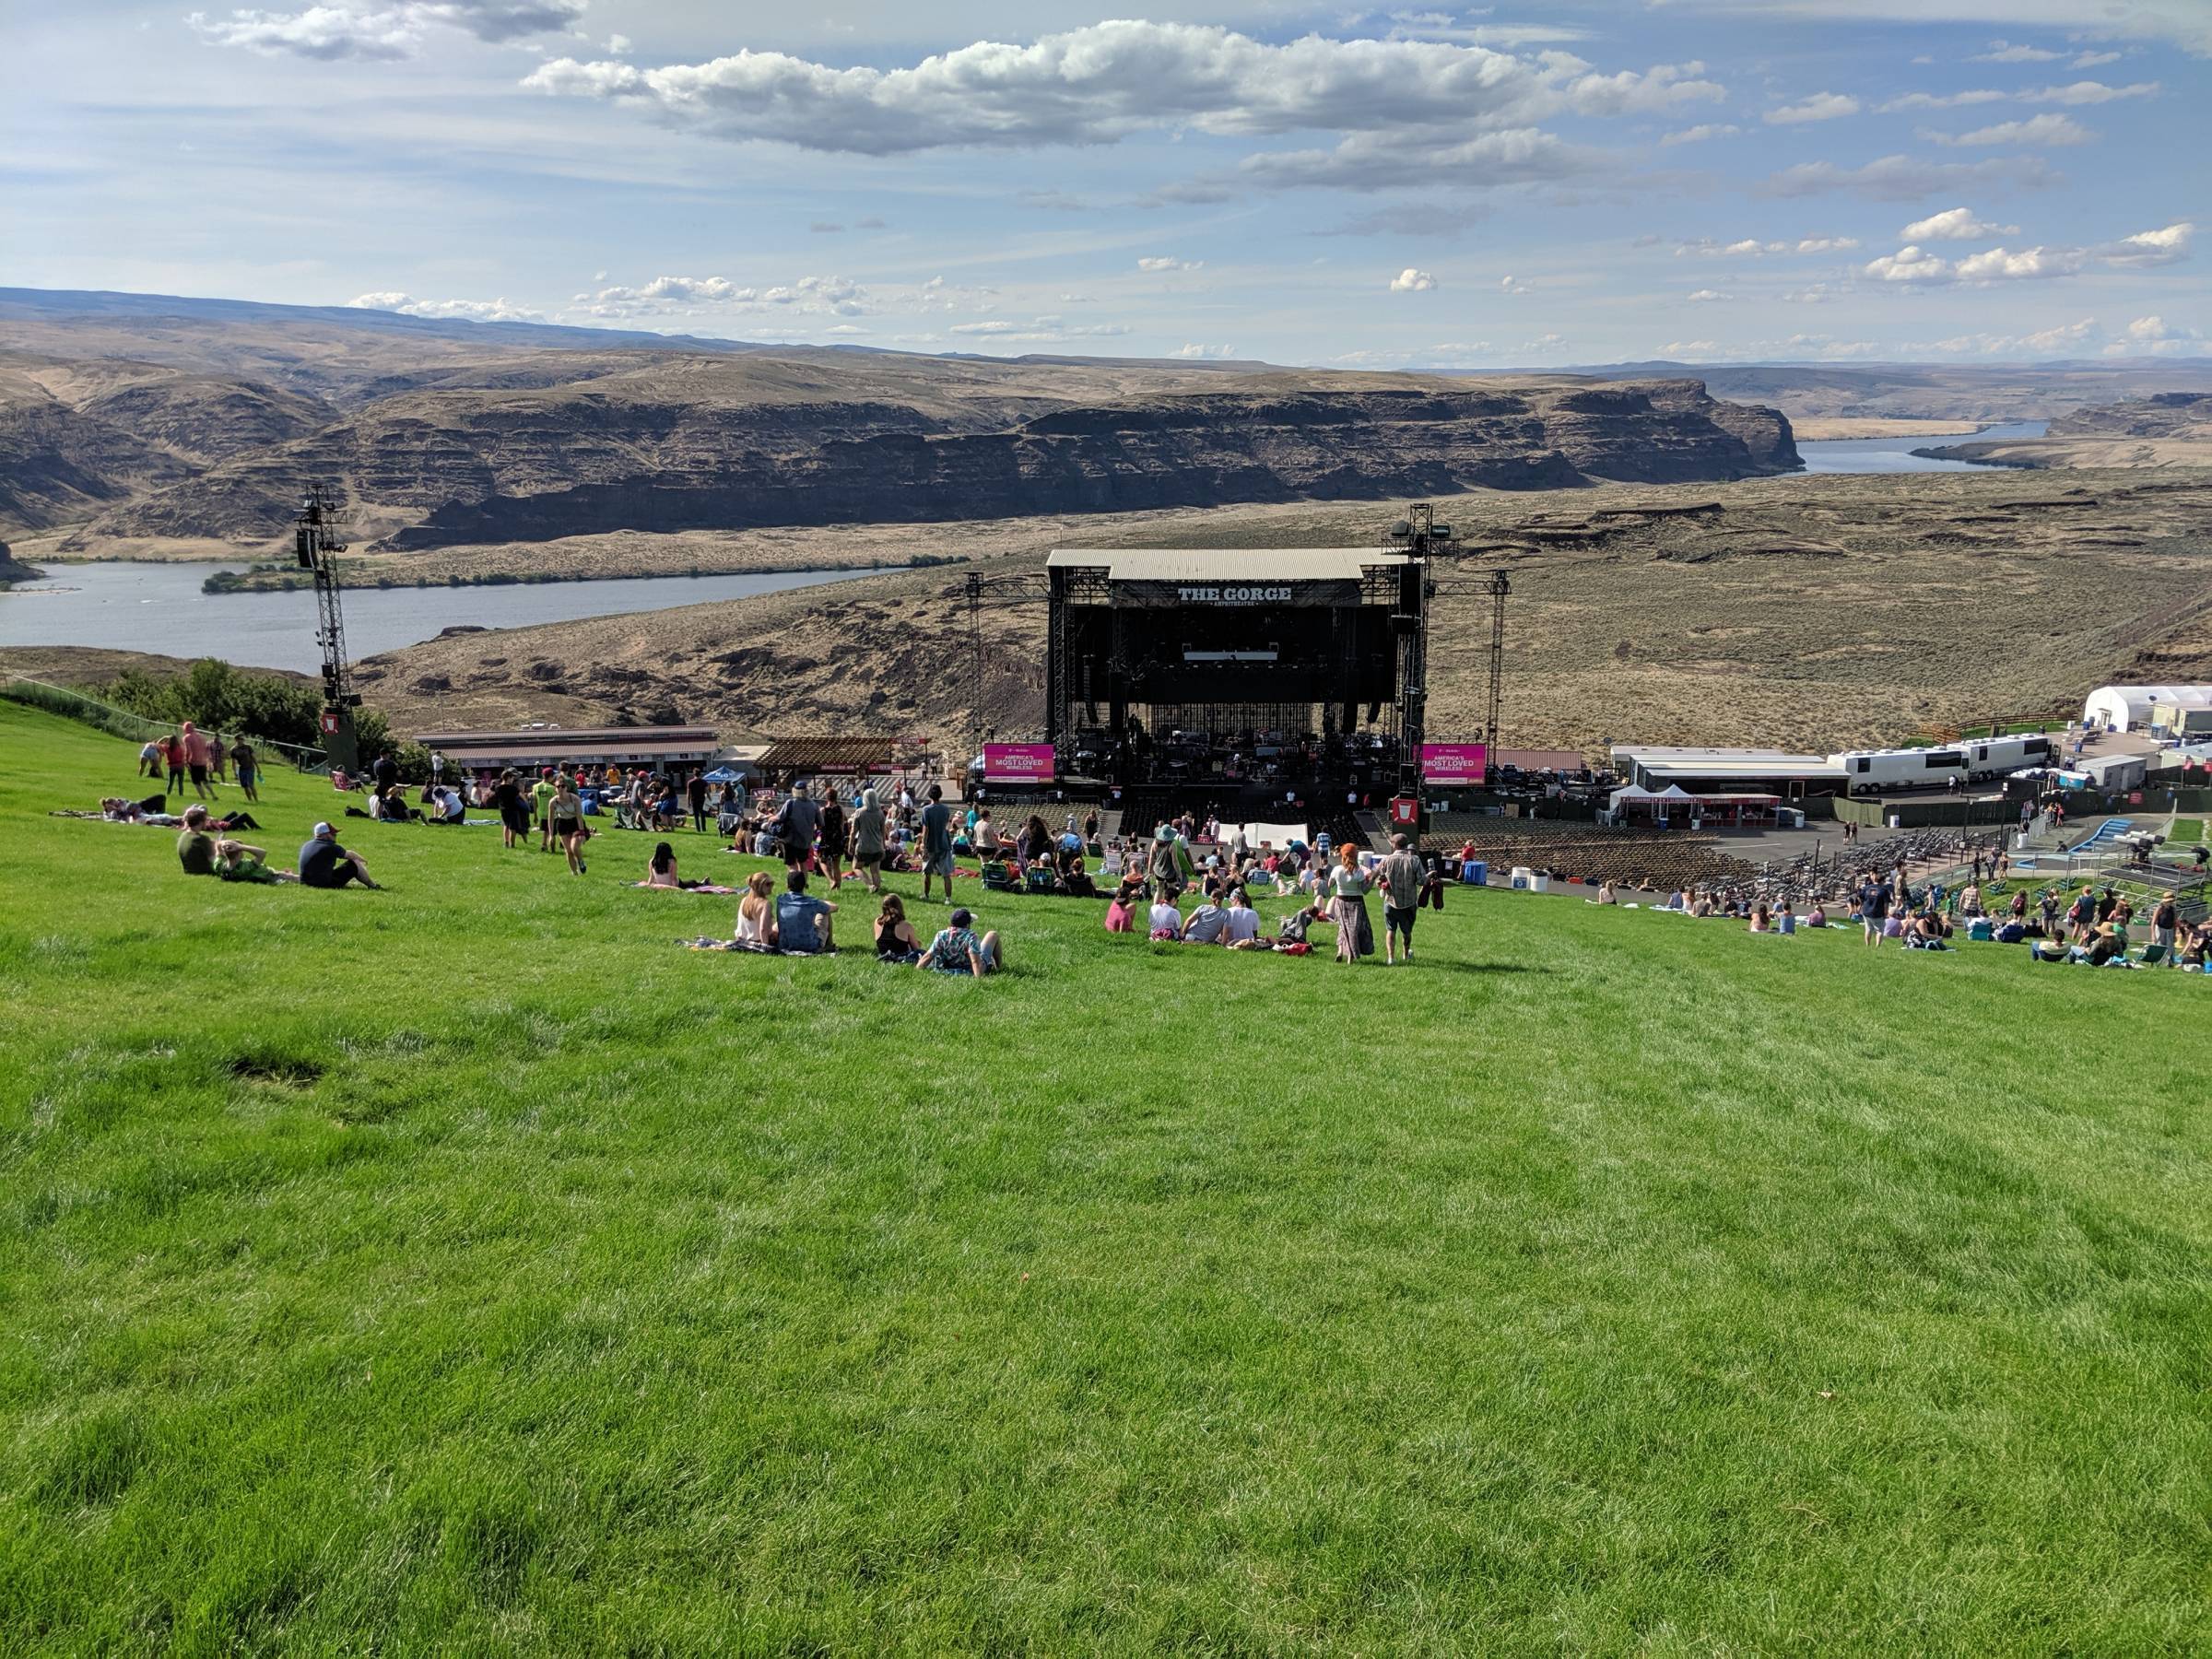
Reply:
x=204, y=850
x=796, y=922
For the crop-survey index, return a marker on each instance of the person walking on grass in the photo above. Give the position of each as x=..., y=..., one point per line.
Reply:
x=695, y=792
x=567, y=822
x=541, y=796
x=832, y=839
x=172, y=756
x=196, y=754
x=513, y=809
x=867, y=842
x=1874, y=908
x=936, y=843
x=1405, y=879
x=218, y=752
x=246, y=765
x=1349, y=885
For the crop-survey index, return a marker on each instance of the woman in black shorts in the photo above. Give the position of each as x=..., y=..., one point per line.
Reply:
x=565, y=813
x=515, y=811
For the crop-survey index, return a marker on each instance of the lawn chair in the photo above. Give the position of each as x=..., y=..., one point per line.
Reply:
x=998, y=878
x=1039, y=879
x=2152, y=956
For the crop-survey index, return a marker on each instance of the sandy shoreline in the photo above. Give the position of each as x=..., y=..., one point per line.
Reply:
x=1821, y=428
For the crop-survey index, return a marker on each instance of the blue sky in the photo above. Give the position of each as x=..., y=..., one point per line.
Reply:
x=1578, y=180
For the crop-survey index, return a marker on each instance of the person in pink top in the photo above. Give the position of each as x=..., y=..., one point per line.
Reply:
x=196, y=756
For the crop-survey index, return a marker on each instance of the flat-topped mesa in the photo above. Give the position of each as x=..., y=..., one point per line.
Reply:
x=441, y=468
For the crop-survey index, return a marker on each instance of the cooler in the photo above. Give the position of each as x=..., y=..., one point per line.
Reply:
x=1475, y=872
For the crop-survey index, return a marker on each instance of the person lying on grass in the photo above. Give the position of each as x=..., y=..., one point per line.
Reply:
x=235, y=861
x=325, y=863
x=956, y=949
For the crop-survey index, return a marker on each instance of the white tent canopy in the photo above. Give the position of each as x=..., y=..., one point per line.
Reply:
x=1675, y=792
x=2127, y=707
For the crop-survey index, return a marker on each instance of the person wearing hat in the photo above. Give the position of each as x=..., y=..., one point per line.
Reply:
x=1403, y=878
x=325, y=863
x=956, y=949
x=798, y=825
x=1164, y=866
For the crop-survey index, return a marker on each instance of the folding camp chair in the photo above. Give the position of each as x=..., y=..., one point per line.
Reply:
x=1039, y=879
x=2153, y=955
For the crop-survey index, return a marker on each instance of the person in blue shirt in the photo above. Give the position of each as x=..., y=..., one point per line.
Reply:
x=802, y=920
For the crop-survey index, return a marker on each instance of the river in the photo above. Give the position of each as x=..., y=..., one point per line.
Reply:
x=159, y=608
x=1895, y=454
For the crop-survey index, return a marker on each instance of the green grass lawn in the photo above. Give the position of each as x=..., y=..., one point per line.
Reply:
x=2187, y=831
x=465, y=1267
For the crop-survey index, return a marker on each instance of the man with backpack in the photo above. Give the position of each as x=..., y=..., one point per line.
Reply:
x=797, y=823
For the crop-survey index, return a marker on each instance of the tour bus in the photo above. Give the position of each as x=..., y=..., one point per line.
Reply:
x=1870, y=771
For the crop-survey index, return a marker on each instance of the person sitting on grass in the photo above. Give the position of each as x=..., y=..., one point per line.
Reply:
x=1760, y=919
x=1207, y=923
x=1241, y=932
x=1071, y=878
x=1297, y=924
x=195, y=847
x=325, y=863
x=757, y=912
x=803, y=920
x=1164, y=921
x=660, y=870
x=956, y=949
x=895, y=940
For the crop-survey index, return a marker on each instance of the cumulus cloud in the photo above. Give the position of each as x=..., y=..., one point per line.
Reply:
x=1912, y=264
x=1945, y=101
x=2004, y=51
x=1906, y=179
x=1511, y=285
x=2041, y=343
x=1544, y=344
x=2036, y=129
x=1039, y=331
x=1167, y=262
x=1386, y=160
x=1410, y=281
x=466, y=310
x=2152, y=247
x=384, y=29
x=2091, y=60
x=1955, y=224
x=1821, y=106
x=2090, y=92
x=1701, y=131
x=831, y=295
x=1706, y=295
x=1751, y=247
x=2153, y=335
x=1204, y=351
x=1104, y=82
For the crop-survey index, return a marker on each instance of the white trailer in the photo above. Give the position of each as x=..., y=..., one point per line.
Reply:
x=2001, y=757
x=1870, y=771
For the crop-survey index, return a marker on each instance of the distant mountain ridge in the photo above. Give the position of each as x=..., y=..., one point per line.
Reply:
x=155, y=423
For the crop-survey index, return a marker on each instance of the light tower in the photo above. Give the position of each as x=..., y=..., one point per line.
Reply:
x=317, y=546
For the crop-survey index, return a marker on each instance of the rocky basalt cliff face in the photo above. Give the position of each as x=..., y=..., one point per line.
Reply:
x=440, y=469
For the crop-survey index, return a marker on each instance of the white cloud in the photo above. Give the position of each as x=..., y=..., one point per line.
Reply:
x=2090, y=92
x=2152, y=247
x=828, y=295
x=1544, y=344
x=1386, y=160
x=2036, y=129
x=1706, y=295
x=1410, y=281
x=1910, y=265
x=2003, y=52
x=1751, y=247
x=1821, y=106
x=618, y=45
x=466, y=310
x=1906, y=179
x=1039, y=330
x=1168, y=262
x=1945, y=101
x=2152, y=335
x=1106, y=81
x=1701, y=131
x=1955, y=224
x=1204, y=351
x=1826, y=244
x=2092, y=60
x=1511, y=285
x=384, y=29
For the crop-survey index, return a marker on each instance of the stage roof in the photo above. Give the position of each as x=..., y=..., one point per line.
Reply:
x=1225, y=564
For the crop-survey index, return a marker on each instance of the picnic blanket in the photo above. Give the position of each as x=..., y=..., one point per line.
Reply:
x=703, y=887
x=706, y=944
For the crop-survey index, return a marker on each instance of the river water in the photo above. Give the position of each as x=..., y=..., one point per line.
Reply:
x=159, y=608
x=1895, y=454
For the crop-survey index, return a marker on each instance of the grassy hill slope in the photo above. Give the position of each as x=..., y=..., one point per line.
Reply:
x=467, y=1266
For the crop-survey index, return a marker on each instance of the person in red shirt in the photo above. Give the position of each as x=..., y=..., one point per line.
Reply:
x=172, y=752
